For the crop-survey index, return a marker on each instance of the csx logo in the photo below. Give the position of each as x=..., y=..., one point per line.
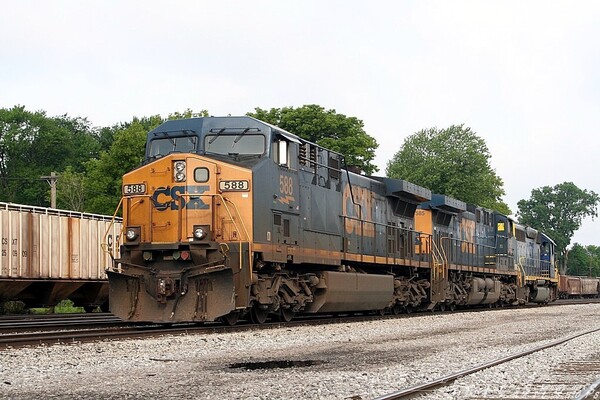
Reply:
x=172, y=197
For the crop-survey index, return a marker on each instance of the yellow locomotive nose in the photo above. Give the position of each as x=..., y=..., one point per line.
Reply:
x=180, y=213
x=166, y=200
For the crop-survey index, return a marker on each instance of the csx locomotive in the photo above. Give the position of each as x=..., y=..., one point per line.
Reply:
x=231, y=217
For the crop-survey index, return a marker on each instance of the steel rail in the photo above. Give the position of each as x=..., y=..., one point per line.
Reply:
x=443, y=381
x=588, y=392
x=74, y=332
x=11, y=325
x=139, y=330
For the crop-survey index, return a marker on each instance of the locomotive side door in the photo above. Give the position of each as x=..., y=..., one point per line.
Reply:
x=501, y=227
x=285, y=215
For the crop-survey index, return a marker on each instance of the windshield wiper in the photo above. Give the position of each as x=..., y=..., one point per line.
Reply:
x=239, y=137
x=216, y=135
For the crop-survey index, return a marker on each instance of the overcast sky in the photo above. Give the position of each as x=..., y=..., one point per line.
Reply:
x=524, y=75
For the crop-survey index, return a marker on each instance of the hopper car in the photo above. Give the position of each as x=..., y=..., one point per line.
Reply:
x=48, y=255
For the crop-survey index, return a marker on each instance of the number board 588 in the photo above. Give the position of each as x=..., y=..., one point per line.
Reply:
x=286, y=185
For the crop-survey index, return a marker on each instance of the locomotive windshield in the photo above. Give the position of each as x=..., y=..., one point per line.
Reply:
x=241, y=144
x=163, y=146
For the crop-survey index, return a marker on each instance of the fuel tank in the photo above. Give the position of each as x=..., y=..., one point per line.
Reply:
x=349, y=291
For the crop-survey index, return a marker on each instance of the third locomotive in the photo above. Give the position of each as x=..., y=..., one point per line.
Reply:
x=230, y=216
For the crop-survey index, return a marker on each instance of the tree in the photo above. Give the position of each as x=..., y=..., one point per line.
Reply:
x=584, y=261
x=33, y=145
x=558, y=211
x=104, y=174
x=126, y=152
x=70, y=190
x=327, y=128
x=452, y=161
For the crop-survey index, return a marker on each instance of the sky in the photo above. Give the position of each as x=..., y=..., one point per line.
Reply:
x=523, y=75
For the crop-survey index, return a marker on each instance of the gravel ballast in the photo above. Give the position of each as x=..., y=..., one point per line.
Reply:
x=332, y=361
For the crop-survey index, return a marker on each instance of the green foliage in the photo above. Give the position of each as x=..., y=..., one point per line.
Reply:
x=584, y=261
x=327, y=128
x=125, y=153
x=63, y=307
x=558, y=211
x=188, y=113
x=34, y=145
x=70, y=190
x=452, y=161
x=12, y=307
x=67, y=307
x=104, y=174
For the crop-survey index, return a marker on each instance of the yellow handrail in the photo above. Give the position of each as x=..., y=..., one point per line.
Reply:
x=439, y=259
x=225, y=201
x=522, y=270
x=104, y=244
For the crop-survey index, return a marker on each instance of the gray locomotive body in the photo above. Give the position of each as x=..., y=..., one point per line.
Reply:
x=232, y=216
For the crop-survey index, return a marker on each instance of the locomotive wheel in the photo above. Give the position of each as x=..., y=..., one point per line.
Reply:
x=231, y=319
x=285, y=315
x=258, y=316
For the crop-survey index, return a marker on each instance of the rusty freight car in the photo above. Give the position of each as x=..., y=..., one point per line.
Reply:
x=571, y=287
x=49, y=255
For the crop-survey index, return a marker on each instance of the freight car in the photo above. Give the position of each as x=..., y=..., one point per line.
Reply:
x=571, y=287
x=49, y=255
x=231, y=216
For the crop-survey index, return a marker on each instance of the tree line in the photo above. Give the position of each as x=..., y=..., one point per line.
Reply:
x=455, y=161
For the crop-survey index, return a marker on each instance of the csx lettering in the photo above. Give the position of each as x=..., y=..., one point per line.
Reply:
x=286, y=185
x=173, y=198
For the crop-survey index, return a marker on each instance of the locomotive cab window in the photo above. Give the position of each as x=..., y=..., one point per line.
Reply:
x=163, y=146
x=235, y=145
x=280, y=152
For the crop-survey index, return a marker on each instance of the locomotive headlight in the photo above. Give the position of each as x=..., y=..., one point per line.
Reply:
x=132, y=233
x=179, y=171
x=201, y=232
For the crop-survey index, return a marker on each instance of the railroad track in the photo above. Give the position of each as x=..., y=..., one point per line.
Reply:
x=16, y=331
x=123, y=330
x=589, y=392
x=564, y=379
x=20, y=323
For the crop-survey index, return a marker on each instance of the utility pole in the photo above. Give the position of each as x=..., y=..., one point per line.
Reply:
x=52, y=182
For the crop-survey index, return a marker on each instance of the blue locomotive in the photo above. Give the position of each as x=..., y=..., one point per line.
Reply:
x=231, y=217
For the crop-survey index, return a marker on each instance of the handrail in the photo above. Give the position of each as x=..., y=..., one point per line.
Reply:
x=371, y=226
x=465, y=252
x=225, y=201
x=522, y=270
x=440, y=253
x=104, y=243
